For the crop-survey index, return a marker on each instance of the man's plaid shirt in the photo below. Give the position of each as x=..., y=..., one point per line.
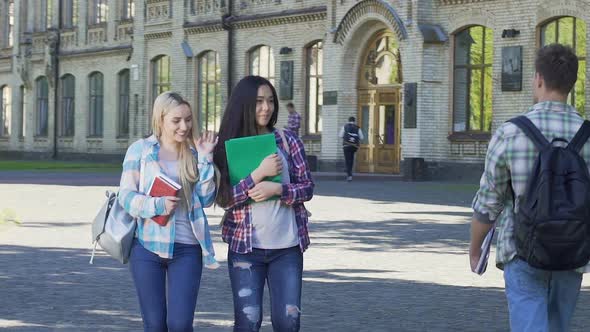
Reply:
x=237, y=226
x=510, y=159
x=294, y=122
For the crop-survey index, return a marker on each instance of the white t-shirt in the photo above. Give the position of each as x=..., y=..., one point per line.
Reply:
x=273, y=222
x=182, y=226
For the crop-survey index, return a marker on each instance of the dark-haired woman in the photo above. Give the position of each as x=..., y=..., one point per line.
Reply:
x=266, y=238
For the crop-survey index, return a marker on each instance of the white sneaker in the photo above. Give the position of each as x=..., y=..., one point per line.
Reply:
x=349, y=178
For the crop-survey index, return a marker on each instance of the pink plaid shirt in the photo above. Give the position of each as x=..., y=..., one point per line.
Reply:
x=237, y=227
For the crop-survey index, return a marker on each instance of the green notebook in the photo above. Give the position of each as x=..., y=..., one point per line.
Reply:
x=245, y=154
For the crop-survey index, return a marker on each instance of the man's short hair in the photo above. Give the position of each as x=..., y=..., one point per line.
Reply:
x=290, y=105
x=558, y=65
x=351, y=119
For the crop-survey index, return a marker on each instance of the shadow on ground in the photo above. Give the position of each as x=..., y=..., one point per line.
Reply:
x=49, y=289
x=390, y=235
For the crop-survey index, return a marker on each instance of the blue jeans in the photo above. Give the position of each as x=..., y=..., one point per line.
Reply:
x=540, y=300
x=282, y=269
x=149, y=272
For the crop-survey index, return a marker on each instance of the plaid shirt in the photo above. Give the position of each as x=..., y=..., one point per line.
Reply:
x=294, y=122
x=510, y=159
x=155, y=238
x=237, y=226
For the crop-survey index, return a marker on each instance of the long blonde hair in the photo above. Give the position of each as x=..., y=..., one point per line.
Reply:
x=187, y=166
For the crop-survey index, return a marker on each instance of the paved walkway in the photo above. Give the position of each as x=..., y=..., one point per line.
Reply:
x=385, y=256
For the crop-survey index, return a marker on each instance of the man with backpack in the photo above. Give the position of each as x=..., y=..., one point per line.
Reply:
x=351, y=136
x=536, y=189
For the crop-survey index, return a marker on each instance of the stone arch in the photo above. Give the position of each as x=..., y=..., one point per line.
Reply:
x=377, y=9
x=548, y=10
x=471, y=17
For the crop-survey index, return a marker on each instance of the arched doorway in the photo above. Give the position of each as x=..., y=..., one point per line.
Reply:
x=379, y=105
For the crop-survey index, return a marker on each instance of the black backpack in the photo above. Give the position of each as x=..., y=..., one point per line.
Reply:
x=351, y=135
x=552, y=227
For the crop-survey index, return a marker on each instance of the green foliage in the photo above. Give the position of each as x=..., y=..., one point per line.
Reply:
x=58, y=166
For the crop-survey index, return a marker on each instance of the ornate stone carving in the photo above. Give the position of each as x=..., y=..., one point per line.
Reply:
x=158, y=10
x=125, y=31
x=377, y=7
x=459, y=2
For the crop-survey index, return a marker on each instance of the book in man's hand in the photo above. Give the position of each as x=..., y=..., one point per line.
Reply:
x=482, y=264
x=163, y=186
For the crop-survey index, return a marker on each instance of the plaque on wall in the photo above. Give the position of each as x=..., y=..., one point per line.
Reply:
x=286, y=83
x=330, y=98
x=512, y=68
x=410, y=114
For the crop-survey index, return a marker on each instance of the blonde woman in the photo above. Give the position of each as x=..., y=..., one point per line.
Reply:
x=166, y=261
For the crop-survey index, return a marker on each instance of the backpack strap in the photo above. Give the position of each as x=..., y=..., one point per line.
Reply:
x=530, y=130
x=577, y=143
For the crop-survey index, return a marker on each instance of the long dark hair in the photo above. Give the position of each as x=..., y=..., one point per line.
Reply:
x=239, y=120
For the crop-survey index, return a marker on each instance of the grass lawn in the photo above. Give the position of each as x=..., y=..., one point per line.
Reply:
x=58, y=166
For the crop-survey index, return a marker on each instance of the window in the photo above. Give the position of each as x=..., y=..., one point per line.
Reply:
x=209, y=91
x=44, y=17
x=5, y=110
x=262, y=63
x=123, y=123
x=67, y=107
x=22, y=114
x=23, y=17
x=472, y=83
x=97, y=11
x=9, y=37
x=572, y=32
x=69, y=14
x=41, y=127
x=160, y=76
x=96, y=105
x=127, y=9
x=41, y=18
x=314, y=74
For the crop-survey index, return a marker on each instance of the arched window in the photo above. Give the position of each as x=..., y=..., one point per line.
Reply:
x=314, y=72
x=262, y=62
x=67, y=106
x=570, y=31
x=96, y=104
x=160, y=76
x=209, y=91
x=123, y=102
x=22, y=128
x=5, y=110
x=382, y=63
x=472, y=80
x=42, y=107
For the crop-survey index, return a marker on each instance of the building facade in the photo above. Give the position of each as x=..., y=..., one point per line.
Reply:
x=428, y=81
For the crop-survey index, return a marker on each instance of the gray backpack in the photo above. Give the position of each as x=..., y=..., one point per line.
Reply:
x=113, y=228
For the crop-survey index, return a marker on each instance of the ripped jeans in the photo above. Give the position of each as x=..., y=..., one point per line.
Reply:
x=282, y=269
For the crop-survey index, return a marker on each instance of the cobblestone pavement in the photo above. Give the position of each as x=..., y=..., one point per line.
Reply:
x=385, y=256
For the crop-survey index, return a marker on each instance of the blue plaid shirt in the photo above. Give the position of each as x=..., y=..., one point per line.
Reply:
x=155, y=238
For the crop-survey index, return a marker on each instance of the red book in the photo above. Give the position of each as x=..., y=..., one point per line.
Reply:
x=163, y=186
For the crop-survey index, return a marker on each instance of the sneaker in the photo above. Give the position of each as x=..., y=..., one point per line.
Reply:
x=349, y=178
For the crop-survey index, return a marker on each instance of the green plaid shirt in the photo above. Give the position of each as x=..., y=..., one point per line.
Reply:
x=510, y=159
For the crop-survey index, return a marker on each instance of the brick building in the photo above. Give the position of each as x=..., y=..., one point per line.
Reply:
x=427, y=80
